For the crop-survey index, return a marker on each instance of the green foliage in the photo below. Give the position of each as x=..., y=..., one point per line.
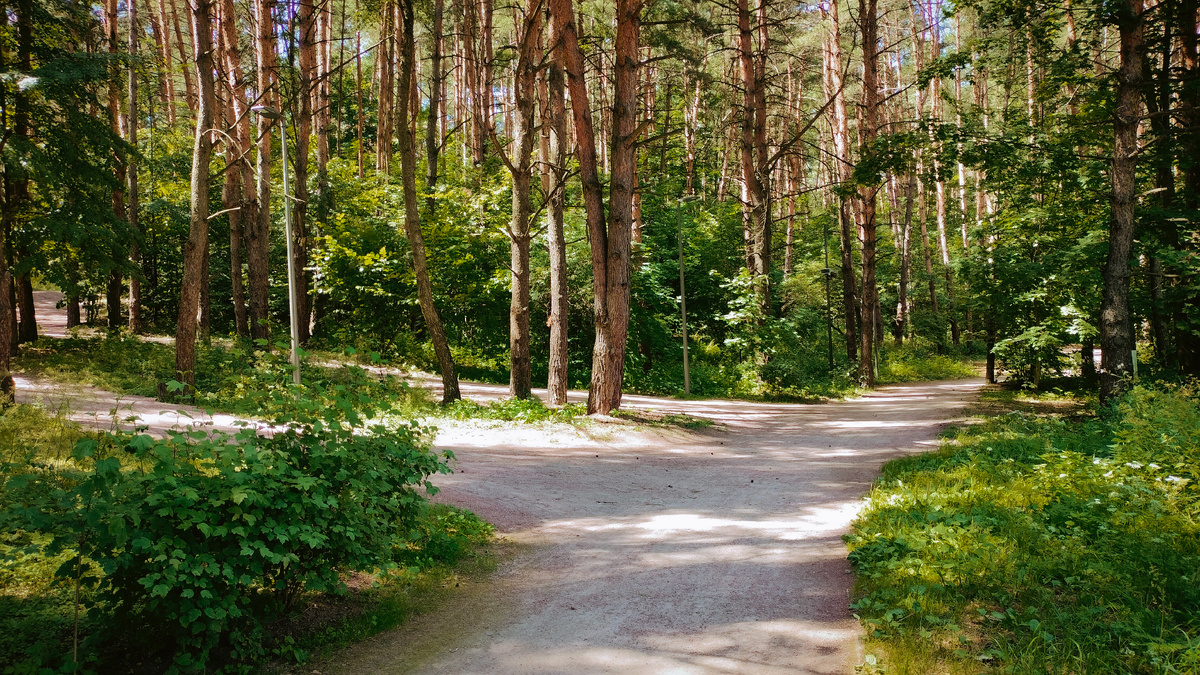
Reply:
x=530, y=410
x=236, y=378
x=1039, y=543
x=442, y=535
x=204, y=536
x=917, y=364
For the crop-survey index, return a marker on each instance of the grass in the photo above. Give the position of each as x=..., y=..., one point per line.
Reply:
x=1053, y=537
x=38, y=595
x=654, y=418
x=530, y=410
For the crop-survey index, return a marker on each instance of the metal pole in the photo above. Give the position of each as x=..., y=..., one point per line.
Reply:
x=687, y=380
x=287, y=225
x=828, y=273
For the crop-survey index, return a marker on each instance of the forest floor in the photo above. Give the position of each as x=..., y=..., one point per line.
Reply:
x=638, y=552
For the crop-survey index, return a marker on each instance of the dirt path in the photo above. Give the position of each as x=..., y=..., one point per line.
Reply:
x=671, y=552
x=646, y=552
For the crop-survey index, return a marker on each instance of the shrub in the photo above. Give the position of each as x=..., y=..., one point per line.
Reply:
x=202, y=533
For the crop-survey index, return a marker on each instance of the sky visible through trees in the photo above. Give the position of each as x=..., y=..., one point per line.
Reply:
x=504, y=190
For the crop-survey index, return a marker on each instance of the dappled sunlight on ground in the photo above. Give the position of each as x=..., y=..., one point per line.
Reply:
x=663, y=551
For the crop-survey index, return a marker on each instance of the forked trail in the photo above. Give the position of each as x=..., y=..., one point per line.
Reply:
x=667, y=552
x=644, y=552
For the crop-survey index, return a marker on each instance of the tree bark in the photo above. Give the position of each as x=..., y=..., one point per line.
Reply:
x=611, y=250
x=433, y=136
x=384, y=54
x=1116, y=325
x=165, y=21
x=239, y=179
x=600, y=398
x=113, y=289
x=844, y=174
x=867, y=16
x=189, y=88
x=905, y=262
x=197, y=242
x=521, y=166
x=258, y=229
x=358, y=89
x=131, y=175
x=307, y=80
x=555, y=121
x=753, y=137
x=412, y=218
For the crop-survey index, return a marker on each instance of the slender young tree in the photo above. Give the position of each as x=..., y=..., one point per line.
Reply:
x=131, y=174
x=113, y=288
x=555, y=120
x=242, y=202
x=834, y=89
x=308, y=77
x=258, y=230
x=412, y=217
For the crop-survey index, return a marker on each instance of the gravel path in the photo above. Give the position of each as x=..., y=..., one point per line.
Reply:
x=667, y=552
x=644, y=551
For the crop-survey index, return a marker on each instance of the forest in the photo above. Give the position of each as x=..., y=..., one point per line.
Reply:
x=824, y=183
x=688, y=200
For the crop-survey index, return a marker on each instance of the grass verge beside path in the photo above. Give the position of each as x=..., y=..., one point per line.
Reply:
x=1048, y=538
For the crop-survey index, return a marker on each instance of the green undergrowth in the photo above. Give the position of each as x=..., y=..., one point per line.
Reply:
x=451, y=546
x=1052, y=537
x=914, y=365
x=213, y=552
x=531, y=410
x=654, y=418
x=236, y=377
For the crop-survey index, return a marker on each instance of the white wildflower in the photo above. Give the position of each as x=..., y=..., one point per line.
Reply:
x=1133, y=465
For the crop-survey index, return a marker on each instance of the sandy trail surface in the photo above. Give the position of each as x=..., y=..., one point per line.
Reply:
x=667, y=551
x=643, y=551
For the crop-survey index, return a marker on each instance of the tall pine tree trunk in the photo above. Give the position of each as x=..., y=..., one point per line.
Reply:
x=521, y=167
x=306, y=22
x=258, y=229
x=1116, y=323
x=195, y=248
x=556, y=385
x=867, y=193
x=841, y=149
x=412, y=217
x=131, y=135
x=113, y=287
x=563, y=18
x=240, y=177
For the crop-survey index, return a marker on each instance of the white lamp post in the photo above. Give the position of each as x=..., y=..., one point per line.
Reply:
x=273, y=114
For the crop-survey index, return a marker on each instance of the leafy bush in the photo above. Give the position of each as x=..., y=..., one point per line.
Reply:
x=203, y=533
x=1041, y=544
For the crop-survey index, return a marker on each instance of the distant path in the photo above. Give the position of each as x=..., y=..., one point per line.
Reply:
x=711, y=553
